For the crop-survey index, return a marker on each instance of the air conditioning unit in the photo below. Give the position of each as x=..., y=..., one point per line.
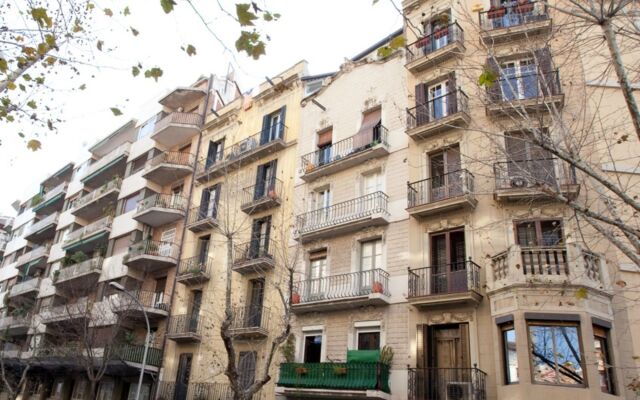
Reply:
x=246, y=145
x=459, y=391
x=519, y=182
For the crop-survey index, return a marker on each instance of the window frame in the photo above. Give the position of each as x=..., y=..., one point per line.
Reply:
x=557, y=323
x=312, y=333
x=504, y=328
x=370, y=329
x=605, y=346
x=538, y=226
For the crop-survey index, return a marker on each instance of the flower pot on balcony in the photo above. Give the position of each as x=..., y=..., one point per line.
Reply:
x=295, y=298
x=309, y=168
x=377, y=287
x=524, y=6
x=340, y=371
x=301, y=371
x=441, y=33
x=272, y=194
x=424, y=42
x=497, y=12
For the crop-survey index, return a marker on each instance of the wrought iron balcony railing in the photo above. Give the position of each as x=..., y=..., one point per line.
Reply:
x=512, y=87
x=200, y=391
x=342, y=286
x=444, y=279
x=523, y=174
x=243, y=148
x=514, y=13
x=184, y=324
x=435, y=41
x=153, y=300
x=335, y=376
x=254, y=249
x=134, y=354
x=344, y=148
x=251, y=317
x=264, y=190
x=440, y=187
x=447, y=383
x=199, y=213
x=173, y=158
x=438, y=108
x=346, y=211
x=195, y=266
x=165, y=201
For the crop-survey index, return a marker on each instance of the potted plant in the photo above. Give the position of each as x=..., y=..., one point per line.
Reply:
x=301, y=371
x=309, y=167
x=37, y=199
x=498, y=12
x=524, y=6
x=55, y=275
x=424, y=42
x=386, y=355
x=295, y=298
x=441, y=32
x=289, y=348
x=377, y=287
x=272, y=194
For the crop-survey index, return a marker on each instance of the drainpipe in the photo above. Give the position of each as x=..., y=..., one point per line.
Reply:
x=184, y=226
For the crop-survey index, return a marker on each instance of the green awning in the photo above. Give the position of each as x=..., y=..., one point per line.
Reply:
x=98, y=172
x=52, y=200
x=85, y=241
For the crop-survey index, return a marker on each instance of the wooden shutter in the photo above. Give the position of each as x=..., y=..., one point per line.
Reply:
x=493, y=91
x=422, y=109
x=452, y=94
x=264, y=135
x=545, y=72
x=318, y=255
x=465, y=359
x=283, y=115
x=325, y=137
x=420, y=346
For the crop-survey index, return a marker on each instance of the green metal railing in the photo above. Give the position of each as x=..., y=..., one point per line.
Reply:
x=345, y=376
x=135, y=353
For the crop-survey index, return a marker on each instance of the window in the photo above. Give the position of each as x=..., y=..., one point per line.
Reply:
x=369, y=129
x=371, y=183
x=539, y=233
x=247, y=368
x=445, y=175
x=556, y=355
x=130, y=202
x=214, y=153
x=147, y=128
x=603, y=358
x=312, y=86
x=509, y=354
x=273, y=126
x=519, y=80
x=138, y=164
x=312, y=347
x=368, y=339
x=371, y=255
x=79, y=390
x=324, y=143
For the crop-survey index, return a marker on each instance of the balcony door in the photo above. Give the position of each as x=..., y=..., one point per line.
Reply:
x=519, y=80
x=448, y=266
x=320, y=203
x=166, y=238
x=209, y=202
x=260, y=233
x=445, y=174
x=317, y=285
x=195, y=311
x=370, y=260
x=371, y=184
x=527, y=163
x=182, y=376
x=254, y=311
x=438, y=100
x=265, y=179
x=158, y=294
x=214, y=153
x=247, y=368
x=272, y=126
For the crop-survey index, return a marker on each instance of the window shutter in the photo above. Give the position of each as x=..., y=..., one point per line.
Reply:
x=264, y=135
x=493, y=91
x=420, y=354
x=325, y=137
x=318, y=255
x=283, y=115
x=452, y=94
x=422, y=109
x=545, y=72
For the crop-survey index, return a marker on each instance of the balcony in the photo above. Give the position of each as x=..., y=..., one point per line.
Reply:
x=78, y=276
x=348, y=216
x=182, y=97
x=447, y=383
x=16, y=325
x=251, y=322
x=36, y=258
x=261, y=196
x=156, y=304
x=161, y=209
x=88, y=237
x=168, y=167
x=438, y=114
x=104, y=169
x=246, y=151
x=255, y=256
x=341, y=292
x=194, y=270
x=25, y=291
x=441, y=193
x=177, y=128
x=529, y=179
x=52, y=200
x=435, y=48
x=151, y=255
x=202, y=219
x=43, y=230
x=132, y=356
x=334, y=380
x=532, y=92
x=97, y=202
x=345, y=154
x=514, y=22
x=184, y=328
x=447, y=284
x=563, y=265
x=66, y=312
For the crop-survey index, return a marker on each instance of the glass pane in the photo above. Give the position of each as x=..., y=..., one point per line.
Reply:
x=551, y=233
x=527, y=234
x=510, y=355
x=369, y=341
x=555, y=352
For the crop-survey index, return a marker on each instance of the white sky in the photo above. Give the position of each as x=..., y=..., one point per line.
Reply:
x=323, y=32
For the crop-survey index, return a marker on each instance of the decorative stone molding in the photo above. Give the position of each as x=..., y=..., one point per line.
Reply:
x=447, y=318
x=446, y=224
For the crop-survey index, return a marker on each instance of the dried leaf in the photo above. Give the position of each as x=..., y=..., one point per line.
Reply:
x=167, y=5
x=116, y=111
x=581, y=294
x=245, y=17
x=34, y=145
